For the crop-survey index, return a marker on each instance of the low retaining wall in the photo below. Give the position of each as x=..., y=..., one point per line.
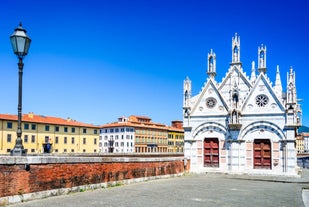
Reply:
x=24, y=175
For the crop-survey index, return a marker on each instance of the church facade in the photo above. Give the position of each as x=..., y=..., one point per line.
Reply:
x=243, y=124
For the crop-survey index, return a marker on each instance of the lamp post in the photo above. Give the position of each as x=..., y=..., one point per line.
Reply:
x=20, y=43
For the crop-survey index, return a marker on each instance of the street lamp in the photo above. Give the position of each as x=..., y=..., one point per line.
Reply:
x=20, y=43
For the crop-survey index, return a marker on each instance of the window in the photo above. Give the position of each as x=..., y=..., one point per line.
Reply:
x=105, y=130
x=33, y=139
x=56, y=140
x=105, y=144
x=26, y=126
x=56, y=128
x=46, y=127
x=32, y=150
x=84, y=150
x=122, y=129
x=211, y=102
x=56, y=150
x=94, y=150
x=33, y=126
x=84, y=131
x=261, y=100
x=100, y=137
x=116, y=130
x=111, y=130
x=95, y=131
x=9, y=125
x=73, y=130
x=46, y=139
x=65, y=150
x=65, y=140
x=65, y=129
x=72, y=150
x=116, y=137
x=84, y=140
x=26, y=138
x=73, y=140
x=9, y=138
x=8, y=150
x=95, y=141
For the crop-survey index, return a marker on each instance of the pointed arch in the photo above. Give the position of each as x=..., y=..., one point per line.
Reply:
x=208, y=126
x=264, y=126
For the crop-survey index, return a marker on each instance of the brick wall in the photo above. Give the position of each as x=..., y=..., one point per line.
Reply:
x=54, y=172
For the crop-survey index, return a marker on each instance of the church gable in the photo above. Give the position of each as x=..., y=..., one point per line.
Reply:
x=209, y=102
x=235, y=79
x=262, y=99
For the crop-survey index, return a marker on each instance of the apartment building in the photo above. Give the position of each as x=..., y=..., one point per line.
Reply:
x=139, y=134
x=175, y=137
x=117, y=137
x=46, y=134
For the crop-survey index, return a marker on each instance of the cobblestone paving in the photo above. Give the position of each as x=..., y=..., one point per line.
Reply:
x=190, y=190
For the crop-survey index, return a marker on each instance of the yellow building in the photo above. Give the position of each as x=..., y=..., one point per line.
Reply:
x=300, y=145
x=175, y=137
x=48, y=134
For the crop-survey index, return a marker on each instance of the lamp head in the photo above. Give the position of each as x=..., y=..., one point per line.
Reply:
x=20, y=42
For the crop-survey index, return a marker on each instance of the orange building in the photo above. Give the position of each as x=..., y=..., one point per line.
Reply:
x=48, y=134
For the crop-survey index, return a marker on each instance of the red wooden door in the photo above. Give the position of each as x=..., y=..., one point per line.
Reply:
x=211, y=152
x=262, y=154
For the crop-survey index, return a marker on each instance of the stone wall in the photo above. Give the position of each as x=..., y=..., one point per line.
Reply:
x=24, y=175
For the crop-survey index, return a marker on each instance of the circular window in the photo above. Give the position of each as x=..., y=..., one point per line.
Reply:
x=211, y=102
x=261, y=100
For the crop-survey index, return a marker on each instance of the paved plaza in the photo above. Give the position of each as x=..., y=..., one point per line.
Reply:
x=191, y=190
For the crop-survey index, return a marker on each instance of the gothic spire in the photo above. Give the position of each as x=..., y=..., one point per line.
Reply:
x=262, y=59
x=278, y=84
x=211, y=63
x=236, y=49
x=253, y=76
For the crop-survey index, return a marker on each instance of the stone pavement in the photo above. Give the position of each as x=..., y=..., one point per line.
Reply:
x=192, y=190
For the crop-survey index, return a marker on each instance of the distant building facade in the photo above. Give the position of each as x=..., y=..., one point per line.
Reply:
x=305, y=137
x=175, y=137
x=46, y=134
x=242, y=124
x=139, y=134
x=118, y=137
x=300, y=143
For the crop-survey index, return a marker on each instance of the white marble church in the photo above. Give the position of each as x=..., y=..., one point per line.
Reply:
x=242, y=124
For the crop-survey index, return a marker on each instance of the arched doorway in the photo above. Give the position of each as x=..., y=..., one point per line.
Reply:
x=211, y=152
x=262, y=154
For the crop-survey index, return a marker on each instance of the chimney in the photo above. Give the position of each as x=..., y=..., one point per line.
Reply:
x=30, y=115
x=177, y=124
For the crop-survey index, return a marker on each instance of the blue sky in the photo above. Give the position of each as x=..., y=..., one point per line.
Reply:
x=97, y=60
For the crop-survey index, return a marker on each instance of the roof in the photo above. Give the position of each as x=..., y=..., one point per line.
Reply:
x=33, y=118
x=132, y=122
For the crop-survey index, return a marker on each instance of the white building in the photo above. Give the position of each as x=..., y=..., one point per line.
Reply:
x=117, y=137
x=242, y=124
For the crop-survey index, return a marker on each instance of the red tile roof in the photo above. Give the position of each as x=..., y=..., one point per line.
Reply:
x=33, y=118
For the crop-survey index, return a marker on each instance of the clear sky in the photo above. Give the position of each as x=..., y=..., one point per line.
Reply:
x=97, y=60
